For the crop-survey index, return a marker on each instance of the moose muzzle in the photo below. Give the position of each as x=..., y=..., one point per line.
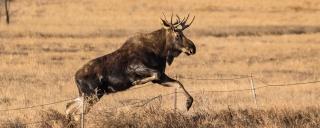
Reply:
x=190, y=49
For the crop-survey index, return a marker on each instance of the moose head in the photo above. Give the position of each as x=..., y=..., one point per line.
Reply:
x=176, y=40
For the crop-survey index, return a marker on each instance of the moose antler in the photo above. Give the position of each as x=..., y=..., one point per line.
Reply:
x=169, y=24
x=183, y=22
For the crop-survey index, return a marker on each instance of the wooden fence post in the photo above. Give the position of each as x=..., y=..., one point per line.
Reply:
x=6, y=2
x=160, y=100
x=83, y=108
x=253, y=90
x=175, y=100
x=175, y=97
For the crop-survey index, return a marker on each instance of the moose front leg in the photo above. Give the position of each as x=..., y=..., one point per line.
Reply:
x=169, y=82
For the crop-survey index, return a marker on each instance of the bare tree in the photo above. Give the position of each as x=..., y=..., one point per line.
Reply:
x=6, y=2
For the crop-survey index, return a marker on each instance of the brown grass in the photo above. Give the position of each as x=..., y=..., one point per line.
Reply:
x=149, y=117
x=276, y=41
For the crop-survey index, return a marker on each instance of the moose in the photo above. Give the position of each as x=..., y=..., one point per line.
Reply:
x=141, y=59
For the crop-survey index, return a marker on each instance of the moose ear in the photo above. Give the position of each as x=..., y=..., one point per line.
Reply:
x=165, y=23
x=170, y=58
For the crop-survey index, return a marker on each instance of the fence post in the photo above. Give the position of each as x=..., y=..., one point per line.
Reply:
x=160, y=100
x=253, y=90
x=175, y=97
x=6, y=2
x=83, y=108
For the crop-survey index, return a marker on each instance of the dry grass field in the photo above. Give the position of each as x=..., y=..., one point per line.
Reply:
x=275, y=41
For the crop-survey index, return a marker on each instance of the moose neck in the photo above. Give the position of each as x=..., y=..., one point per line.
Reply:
x=157, y=42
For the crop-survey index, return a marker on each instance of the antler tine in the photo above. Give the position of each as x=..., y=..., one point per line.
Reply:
x=167, y=23
x=184, y=20
x=183, y=23
x=179, y=19
x=171, y=18
x=187, y=17
x=192, y=20
x=175, y=23
x=165, y=19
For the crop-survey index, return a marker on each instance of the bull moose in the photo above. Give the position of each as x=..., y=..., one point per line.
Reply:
x=141, y=59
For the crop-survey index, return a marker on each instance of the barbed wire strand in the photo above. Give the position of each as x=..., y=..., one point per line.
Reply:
x=224, y=74
x=200, y=91
x=39, y=105
x=290, y=84
x=223, y=79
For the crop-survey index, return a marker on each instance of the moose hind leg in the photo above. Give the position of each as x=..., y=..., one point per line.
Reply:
x=73, y=108
x=153, y=77
x=90, y=94
x=80, y=105
x=144, y=71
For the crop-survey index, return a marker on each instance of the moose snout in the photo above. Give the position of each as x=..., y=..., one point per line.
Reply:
x=189, y=47
x=192, y=49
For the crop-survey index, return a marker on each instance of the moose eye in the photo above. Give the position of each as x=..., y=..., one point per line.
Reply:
x=178, y=36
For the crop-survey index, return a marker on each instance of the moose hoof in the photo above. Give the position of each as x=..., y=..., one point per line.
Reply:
x=189, y=103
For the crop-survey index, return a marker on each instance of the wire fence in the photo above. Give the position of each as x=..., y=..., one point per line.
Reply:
x=39, y=105
x=144, y=102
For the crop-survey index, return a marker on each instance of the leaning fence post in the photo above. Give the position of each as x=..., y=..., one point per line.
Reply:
x=83, y=108
x=253, y=90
